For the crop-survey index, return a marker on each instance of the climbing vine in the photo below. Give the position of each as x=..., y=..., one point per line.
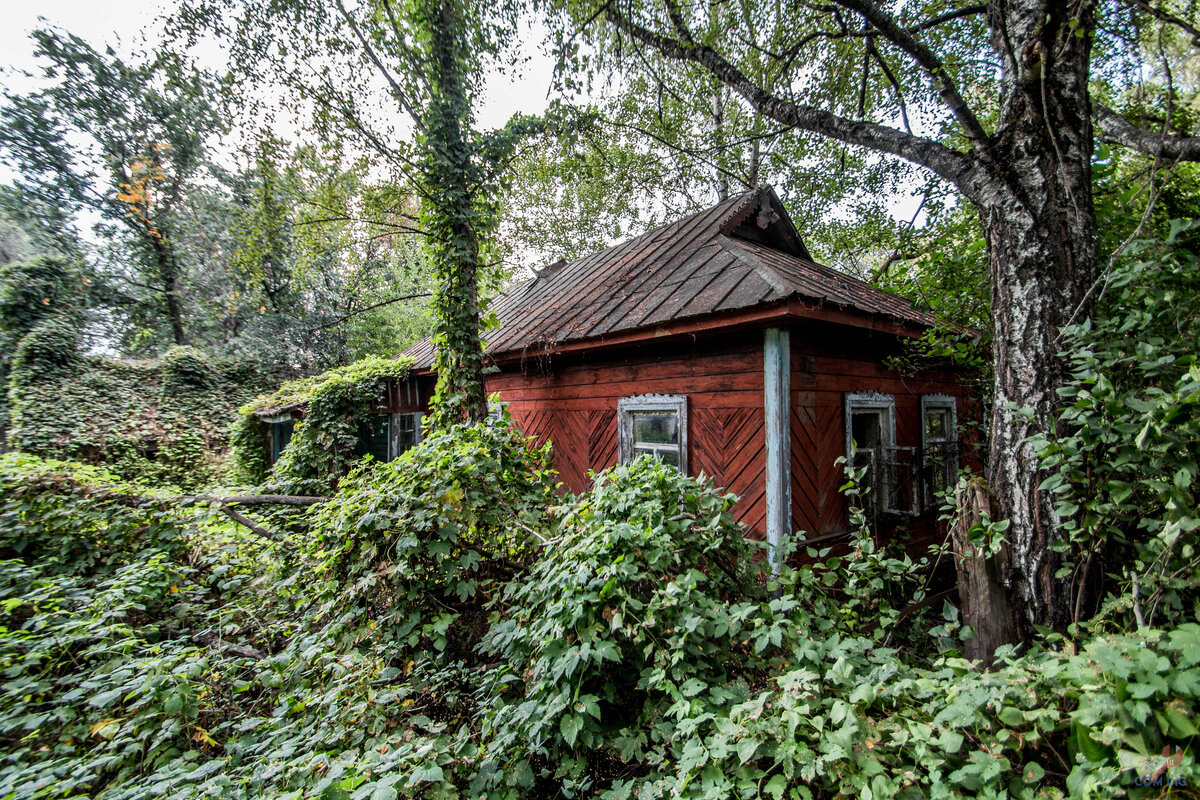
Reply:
x=158, y=422
x=322, y=446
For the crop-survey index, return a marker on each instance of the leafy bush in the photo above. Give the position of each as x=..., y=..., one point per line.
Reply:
x=1127, y=456
x=159, y=422
x=418, y=542
x=637, y=646
x=68, y=518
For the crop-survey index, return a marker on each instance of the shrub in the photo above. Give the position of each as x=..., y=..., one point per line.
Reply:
x=648, y=596
x=422, y=540
x=68, y=518
x=1126, y=460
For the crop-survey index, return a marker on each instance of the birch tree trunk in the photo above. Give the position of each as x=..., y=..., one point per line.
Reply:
x=1040, y=226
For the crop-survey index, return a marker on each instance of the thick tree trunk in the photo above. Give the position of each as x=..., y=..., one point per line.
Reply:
x=452, y=218
x=984, y=602
x=1039, y=224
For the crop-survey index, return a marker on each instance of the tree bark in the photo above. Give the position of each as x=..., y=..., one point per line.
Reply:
x=1040, y=228
x=981, y=594
x=168, y=278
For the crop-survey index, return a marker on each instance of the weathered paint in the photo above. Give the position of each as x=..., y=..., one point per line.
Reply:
x=777, y=360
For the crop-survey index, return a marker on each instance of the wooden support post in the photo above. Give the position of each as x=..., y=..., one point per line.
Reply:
x=777, y=360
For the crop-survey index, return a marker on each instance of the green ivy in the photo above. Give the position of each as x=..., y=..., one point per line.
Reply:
x=160, y=422
x=322, y=447
x=1126, y=462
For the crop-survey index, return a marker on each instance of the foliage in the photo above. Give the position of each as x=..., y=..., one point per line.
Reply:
x=323, y=256
x=646, y=595
x=423, y=540
x=638, y=646
x=1125, y=462
x=125, y=141
x=162, y=422
x=322, y=447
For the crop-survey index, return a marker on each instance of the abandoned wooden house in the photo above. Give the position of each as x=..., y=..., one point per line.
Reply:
x=717, y=345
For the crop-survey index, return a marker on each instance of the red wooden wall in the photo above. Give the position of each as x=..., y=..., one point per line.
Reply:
x=820, y=381
x=574, y=404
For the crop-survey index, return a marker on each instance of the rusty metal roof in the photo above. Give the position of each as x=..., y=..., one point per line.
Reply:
x=739, y=254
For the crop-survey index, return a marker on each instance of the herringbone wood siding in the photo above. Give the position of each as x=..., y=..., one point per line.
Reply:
x=573, y=404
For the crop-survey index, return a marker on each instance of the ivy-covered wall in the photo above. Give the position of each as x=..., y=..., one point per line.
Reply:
x=325, y=439
x=158, y=422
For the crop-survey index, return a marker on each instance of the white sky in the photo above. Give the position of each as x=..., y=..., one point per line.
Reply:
x=123, y=24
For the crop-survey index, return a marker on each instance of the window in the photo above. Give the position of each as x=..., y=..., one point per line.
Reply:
x=405, y=432
x=279, y=432
x=653, y=424
x=386, y=436
x=939, y=444
x=281, y=436
x=871, y=427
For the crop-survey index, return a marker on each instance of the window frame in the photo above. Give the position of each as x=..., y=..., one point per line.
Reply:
x=629, y=407
x=870, y=401
x=394, y=450
x=886, y=481
x=948, y=403
x=274, y=423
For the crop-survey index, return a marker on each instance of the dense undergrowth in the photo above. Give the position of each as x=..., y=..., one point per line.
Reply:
x=447, y=625
x=446, y=628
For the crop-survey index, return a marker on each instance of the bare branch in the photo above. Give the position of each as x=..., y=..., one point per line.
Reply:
x=363, y=310
x=397, y=91
x=1114, y=129
x=242, y=519
x=1169, y=18
x=941, y=19
x=903, y=38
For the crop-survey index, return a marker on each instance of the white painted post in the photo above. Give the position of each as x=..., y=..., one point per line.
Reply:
x=777, y=360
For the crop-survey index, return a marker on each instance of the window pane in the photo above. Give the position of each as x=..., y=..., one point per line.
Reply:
x=669, y=457
x=656, y=428
x=281, y=436
x=866, y=427
x=406, y=432
x=373, y=437
x=936, y=423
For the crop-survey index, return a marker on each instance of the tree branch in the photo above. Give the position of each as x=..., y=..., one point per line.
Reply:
x=1114, y=129
x=397, y=91
x=1167, y=17
x=345, y=317
x=242, y=519
x=933, y=66
x=950, y=165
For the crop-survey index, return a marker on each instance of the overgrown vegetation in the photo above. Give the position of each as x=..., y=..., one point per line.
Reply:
x=322, y=447
x=162, y=422
x=441, y=629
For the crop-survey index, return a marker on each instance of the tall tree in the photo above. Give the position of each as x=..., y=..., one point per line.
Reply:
x=1000, y=92
x=124, y=140
x=427, y=58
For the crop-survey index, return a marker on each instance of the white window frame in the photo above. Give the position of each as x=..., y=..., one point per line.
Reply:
x=628, y=407
x=883, y=480
x=871, y=401
x=949, y=403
